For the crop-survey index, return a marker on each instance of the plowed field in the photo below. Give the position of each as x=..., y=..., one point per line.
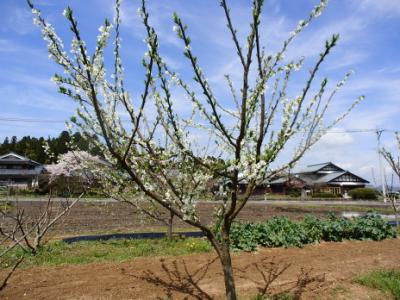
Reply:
x=323, y=271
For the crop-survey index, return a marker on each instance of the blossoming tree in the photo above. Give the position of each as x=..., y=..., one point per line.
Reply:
x=394, y=163
x=26, y=231
x=159, y=154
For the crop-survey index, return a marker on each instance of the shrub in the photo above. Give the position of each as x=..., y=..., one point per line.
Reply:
x=336, y=229
x=281, y=232
x=314, y=229
x=294, y=193
x=244, y=236
x=363, y=193
x=324, y=195
x=371, y=227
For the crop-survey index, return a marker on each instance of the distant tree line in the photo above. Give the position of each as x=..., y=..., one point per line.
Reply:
x=33, y=147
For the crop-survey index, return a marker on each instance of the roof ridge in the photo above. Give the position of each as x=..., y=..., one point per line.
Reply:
x=14, y=154
x=325, y=163
x=21, y=157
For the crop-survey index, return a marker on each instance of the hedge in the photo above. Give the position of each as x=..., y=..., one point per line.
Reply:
x=325, y=195
x=363, y=193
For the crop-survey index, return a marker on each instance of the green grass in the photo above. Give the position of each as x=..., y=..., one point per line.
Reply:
x=155, y=228
x=4, y=205
x=385, y=280
x=59, y=253
x=281, y=296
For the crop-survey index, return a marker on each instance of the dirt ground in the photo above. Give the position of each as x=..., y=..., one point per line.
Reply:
x=323, y=271
x=102, y=217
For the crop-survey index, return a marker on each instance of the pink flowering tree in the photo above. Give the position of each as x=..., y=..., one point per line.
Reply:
x=75, y=171
x=159, y=155
x=27, y=231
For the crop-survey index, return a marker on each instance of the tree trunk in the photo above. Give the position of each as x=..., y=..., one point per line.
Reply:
x=170, y=225
x=226, y=262
x=228, y=276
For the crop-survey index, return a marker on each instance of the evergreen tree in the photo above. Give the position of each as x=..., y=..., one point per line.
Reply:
x=5, y=147
x=13, y=144
x=33, y=147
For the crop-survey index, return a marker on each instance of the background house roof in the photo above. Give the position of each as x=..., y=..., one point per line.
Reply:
x=318, y=167
x=329, y=177
x=322, y=173
x=332, y=176
x=278, y=180
x=16, y=158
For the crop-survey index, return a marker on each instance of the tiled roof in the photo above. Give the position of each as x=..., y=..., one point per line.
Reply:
x=312, y=174
x=317, y=167
x=16, y=158
x=329, y=177
x=314, y=168
x=279, y=180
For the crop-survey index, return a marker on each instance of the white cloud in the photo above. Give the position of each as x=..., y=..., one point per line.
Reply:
x=38, y=98
x=383, y=7
x=388, y=88
x=19, y=20
x=7, y=45
x=390, y=70
x=28, y=80
x=17, y=52
x=367, y=118
x=335, y=139
x=160, y=18
x=312, y=42
x=347, y=57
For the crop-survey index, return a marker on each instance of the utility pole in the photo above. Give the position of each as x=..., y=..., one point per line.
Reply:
x=373, y=176
x=383, y=181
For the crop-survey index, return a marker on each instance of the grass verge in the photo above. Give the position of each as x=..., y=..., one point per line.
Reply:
x=385, y=280
x=59, y=253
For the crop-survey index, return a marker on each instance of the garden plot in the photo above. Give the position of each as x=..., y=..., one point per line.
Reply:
x=95, y=217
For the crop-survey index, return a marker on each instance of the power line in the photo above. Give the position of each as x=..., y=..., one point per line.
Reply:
x=26, y=120
x=31, y=120
x=360, y=130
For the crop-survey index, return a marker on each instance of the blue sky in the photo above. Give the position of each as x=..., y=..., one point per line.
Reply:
x=369, y=45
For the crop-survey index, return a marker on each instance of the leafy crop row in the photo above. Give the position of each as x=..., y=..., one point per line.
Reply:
x=282, y=232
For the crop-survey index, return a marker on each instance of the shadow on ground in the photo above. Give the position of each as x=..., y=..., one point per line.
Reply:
x=266, y=275
x=176, y=278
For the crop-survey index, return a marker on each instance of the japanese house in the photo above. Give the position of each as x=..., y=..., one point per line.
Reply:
x=19, y=171
x=318, y=178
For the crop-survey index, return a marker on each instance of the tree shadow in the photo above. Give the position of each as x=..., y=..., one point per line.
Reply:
x=266, y=272
x=305, y=281
x=178, y=278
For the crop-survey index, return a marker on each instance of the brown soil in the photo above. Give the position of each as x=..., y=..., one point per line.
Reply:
x=323, y=271
x=101, y=217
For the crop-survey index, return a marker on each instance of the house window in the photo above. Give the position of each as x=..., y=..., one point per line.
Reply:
x=331, y=190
